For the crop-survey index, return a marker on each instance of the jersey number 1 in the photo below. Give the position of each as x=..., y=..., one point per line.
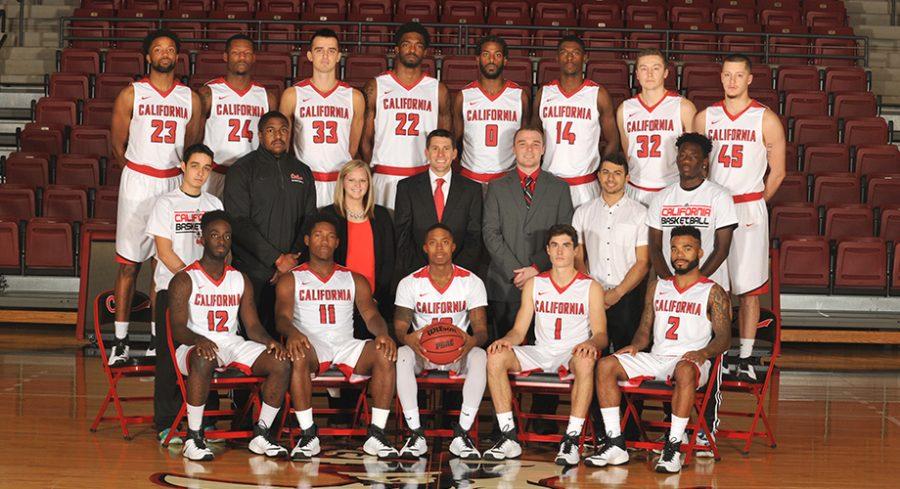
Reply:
x=735, y=159
x=159, y=126
x=672, y=332
x=237, y=133
x=217, y=320
x=557, y=329
x=327, y=314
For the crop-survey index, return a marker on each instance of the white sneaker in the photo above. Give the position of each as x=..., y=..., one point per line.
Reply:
x=308, y=444
x=462, y=445
x=703, y=449
x=415, y=445
x=118, y=354
x=662, y=439
x=151, y=348
x=568, y=450
x=463, y=472
x=506, y=447
x=261, y=444
x=612, y=452
x=195, y=448
x=670, y=460
x=377, y=444
x=745, y=371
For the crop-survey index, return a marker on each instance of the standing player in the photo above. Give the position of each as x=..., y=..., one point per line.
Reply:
x=748, y=139
x=153, y=120
x=327, y=116
x=206, y=300
x=314, y=311
x=486, y=115
x=402, y=107
x=648, y=124
x=441, y=292
x=688, y=319
x=569, y=329
x=232, y=107
x=575, y=112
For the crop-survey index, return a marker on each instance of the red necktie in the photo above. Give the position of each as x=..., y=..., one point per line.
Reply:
x=439, y=198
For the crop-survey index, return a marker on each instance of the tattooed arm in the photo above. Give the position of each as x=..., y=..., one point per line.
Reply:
x=719, y=312
x=644, y=333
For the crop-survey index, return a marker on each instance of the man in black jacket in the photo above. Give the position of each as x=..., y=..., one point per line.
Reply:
x=269, y=194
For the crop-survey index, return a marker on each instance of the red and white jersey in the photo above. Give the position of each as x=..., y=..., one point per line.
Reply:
x=680, y=321
x=158, y=123
x=738, y=161
x=404, y=115
x=651, y=132
x=322, y=123
x=572, y=130
x=432, y=304
x=490, y=125
x=214, y=304
x=323, y=306
x=561, y=313
x=233, y=119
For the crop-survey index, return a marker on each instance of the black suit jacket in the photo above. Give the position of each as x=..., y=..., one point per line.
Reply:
x=414, y=213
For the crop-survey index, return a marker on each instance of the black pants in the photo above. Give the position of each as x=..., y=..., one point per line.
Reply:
x=502, y=316
x=264, y=298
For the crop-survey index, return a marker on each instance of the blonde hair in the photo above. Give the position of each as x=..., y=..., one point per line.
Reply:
x=368, y=199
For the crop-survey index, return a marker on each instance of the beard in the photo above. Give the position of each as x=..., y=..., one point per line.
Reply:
x=690, y=266
x=409, y=63
x=162, y=69
x=490, y=76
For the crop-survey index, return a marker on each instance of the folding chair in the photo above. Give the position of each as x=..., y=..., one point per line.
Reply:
x=104, y=316
x=332, y=378
x=438, y=381
x=543, y=383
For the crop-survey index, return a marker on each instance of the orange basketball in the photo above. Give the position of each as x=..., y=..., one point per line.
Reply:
x=441, y=343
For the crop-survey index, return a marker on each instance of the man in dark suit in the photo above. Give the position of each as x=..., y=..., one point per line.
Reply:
x=438, y=195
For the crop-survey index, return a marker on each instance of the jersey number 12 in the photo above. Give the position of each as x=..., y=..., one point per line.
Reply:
x=217, y=320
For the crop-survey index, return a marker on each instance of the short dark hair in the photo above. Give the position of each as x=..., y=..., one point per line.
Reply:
x=617, y=158
x=412, y=27
x=492, y=38
x=537, y=129
x=439, y=133
x=696, y=138
x=560, y=229
x=439, y=225
x=239, y=37
x=649, y=52
x=197, y=148
x=272, y=114
x=571, y=38
x=149, y=38
x=738, y=58
x=319, y=218
x=686, y=231
x=213, y=216
x=326, y=32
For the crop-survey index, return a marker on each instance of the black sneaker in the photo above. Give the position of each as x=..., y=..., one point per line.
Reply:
x=118, y=355
x=745, y=371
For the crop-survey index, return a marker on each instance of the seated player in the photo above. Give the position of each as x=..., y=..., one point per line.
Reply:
x=206, y=299
x=569, y=329
x=314, y=311
x=689, y=317
x=441, y=292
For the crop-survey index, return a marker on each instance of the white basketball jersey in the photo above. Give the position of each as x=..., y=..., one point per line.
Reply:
x=323, y=306
x=233, y=120
x=490, y=125
x=214, y=304
x=404, y=115
x=561, y=317
x=651, y=133
x=680, y=321
x=738, y=161
x=572, y=130
x=158, y=123
x=322, y=123
x=432, y=304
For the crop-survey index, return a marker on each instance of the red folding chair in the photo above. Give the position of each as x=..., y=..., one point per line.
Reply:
x=437, y=381
x=333, y=378
x=104, y=316
x=543, y=383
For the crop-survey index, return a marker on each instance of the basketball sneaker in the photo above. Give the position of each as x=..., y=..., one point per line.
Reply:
x=670, y=460
x=415, y=445
x=195, y=447
x=506, y=447
x=462, y=445
x=176, y=440
x=262, y=443
x=745, y=371
x=377, y=444
x=612, y=452
x=151, y=348
x=118, y=355
x=308, y=445
x=568, y=450
x=703, y=448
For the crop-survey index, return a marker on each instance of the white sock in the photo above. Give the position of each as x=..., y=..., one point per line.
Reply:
x=505, y=420
x=195, y=416
x=473, y=387
x=121, y=329
x=407, y=388
x=746, y=347
x=575, y=425
x=412, y=418
x=153, y=328
x=467, y=416
x=379, y=417
x=304, y=418
x=611, y=421
x=267, y=415
x=677, y=429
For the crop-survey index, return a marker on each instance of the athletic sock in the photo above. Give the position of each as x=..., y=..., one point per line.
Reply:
x=677, y=429
x=612, y=420
x=195, y=416
x=152, y=328
x=506, y=421
x=575, y=425
x=412, y=418
x=746, y=347
x=305, y=418
x=467, y=416
x=379, y=417
x=121, y=330
x=267, y=415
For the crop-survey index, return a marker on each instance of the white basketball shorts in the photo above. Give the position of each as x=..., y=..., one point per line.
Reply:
x=232, y=353
x=137, y=196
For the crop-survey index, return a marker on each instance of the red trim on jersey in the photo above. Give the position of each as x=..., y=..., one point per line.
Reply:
x=324, y=280
x=153, y=172
x=752, y=197
x=124, y=261
x=753, y=103
x=308, y=83
x=425, y=272
x=481, y=177
x=589, y=178
x=585, y=83
x=220, y=169
x=405, y=86
x=240, y=93
x=578, y=276
x=197, y=266
x=649, y=108
x=330, y=176
x=399, y=171
x=492, y=98
x=345, y=369
x=244, y=368
x=165, y=94
x=701, y=280
x=762, y=289
x=645, y=189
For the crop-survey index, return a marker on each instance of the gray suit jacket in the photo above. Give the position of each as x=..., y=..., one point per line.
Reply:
x=514, y=235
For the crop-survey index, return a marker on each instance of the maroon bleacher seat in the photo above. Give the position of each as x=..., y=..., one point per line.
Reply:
x=191, y=5
x=836, y=188
x=361, y=68
x=49, y=110
x=90, y=140
x=889, y=229
x=69, y=86
x=274, y=85
x=849, y=221
x=599, y=14
x=89, y=26
x=793, y=218
x=830, y=46
x=105, y=203
x=509, y=12
x=108, y=85
x=243, y=6
x=704, y=97
x=604, y=44
x=769, y=16
x=273, y=65
x=861, y=265
x=796, y=47
x=865, y=130
x=701, y=75
x=824, y=158
x=133, y=26
x=695, y=41
x=518, y=40
x=547, y=71
x=48, y=246
x=645, y=12
x=642, y=38
x=797, y=78
x=554, y=13
x=794, y=188
x=762, y=75
x=731, y=15
x=618, y=94
x=209, y=64
x=371, y=10
x=76, y=169
x=124, y=62
x=10, y=261
x=27, y=170
x=882, y=158
x=187, y=26
x=282, y=6
x=16, y=202
x=327, y=7
x=883, y=190
x=804, y=263
x=802, y=103
x=278, y=37
x=848, y=105
x=690, y=13
x=845, y=79
x=65, y=203
x=608, y=72
x=791, y=159
x=42, y=138
x=765, y=96
x=145, y=4
x=458, y=71
x=827, y=18
x=739, y=39
x=809, y=130
x=75, y=60
x=233, y=22
x=519, y=71
x=97, y=112
x=424, y=11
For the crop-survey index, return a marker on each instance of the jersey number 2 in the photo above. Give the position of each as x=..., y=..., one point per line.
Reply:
x=159, y=126
x=735, y=159
x=407, y=125
x=649, y=146
x=672, y=332
x=327, y=314
x=217, y=320
x=323, y=127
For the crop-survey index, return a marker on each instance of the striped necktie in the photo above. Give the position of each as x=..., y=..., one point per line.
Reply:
x=529, y=195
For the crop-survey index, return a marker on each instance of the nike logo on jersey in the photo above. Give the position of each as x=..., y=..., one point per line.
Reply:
x=306, y=100
x=542, y=293
x=472, y=103
x=145, y=98
x=713, y=122
x=199, y=287
x=423, y=295
x=223, y=97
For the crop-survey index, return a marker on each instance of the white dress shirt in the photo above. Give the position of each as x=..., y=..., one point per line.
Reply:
x=610, y=235
x=445, y=187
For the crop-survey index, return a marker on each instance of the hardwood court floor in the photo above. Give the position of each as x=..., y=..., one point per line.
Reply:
x=834, y=429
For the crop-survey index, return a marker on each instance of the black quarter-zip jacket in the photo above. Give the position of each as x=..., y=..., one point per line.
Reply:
x=268, y=198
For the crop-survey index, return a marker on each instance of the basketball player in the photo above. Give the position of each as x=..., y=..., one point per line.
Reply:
x=688, y=318
x=153, y=120
x=648, y=124
x=327, y=115
x=441, y=292
x=232, y=107
x=486, y=115
x=569, y=329
x=314, y=311
x=206, y=299
x=575, y=113
x=402, y=107
x=748, y=139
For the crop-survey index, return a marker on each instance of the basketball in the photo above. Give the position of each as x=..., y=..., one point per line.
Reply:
x=441, y=343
